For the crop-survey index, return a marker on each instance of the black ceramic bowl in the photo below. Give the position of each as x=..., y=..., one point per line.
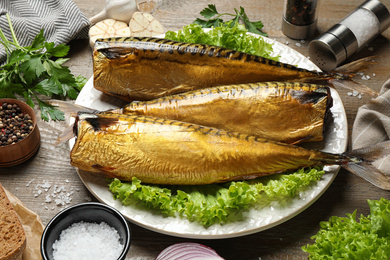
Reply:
x=91, y=212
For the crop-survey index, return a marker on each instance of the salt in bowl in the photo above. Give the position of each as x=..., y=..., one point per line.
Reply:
x=88, y=212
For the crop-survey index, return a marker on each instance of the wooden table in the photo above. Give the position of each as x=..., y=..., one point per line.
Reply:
x=347, y=193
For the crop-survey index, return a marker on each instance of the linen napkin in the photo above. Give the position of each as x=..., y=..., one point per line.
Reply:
x=372, y=124
x=61, y=19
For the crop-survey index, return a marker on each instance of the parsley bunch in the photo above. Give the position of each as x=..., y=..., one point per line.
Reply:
x=37, y=69
x=214, y=20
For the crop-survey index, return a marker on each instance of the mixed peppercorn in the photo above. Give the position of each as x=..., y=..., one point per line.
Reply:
x=14, y=124
x=301, y=12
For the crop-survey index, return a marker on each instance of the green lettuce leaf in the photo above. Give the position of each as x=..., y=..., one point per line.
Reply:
x=348, y=238
x=234, y=38
x=215, y=203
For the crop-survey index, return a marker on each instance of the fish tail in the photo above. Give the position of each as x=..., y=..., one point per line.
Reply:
x=360, y=163
x=354, y=86
x=343, y=76
x=69, y=107
x=66, y=135
x=72, y=110
x=356, y=66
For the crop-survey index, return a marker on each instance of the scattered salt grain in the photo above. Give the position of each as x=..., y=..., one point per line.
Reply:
x=371, y=48
x=29, y=183
x=46, y=186
x=355, y=94
x=287, y=43
x=88, y=241
x=298, y=44
x=58, y=194
x=59, y=202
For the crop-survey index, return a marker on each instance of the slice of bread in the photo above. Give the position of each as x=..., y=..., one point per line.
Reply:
x=12, y=235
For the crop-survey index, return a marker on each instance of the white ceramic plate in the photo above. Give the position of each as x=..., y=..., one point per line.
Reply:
x=256, y=219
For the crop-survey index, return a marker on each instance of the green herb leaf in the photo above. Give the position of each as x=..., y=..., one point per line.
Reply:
x=16, y=57
x=61, y=61
x=208, y=23
x=57, y=51
x=32, y=70
x=80, y=82
x=213, y=20
x=9, y=90
x=253, y=27
x=28, y=98
x=49, y=111
x=47, y=87
x=209, y=11
x=38, y=42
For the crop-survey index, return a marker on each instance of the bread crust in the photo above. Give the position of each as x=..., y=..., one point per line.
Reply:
x=12, y=235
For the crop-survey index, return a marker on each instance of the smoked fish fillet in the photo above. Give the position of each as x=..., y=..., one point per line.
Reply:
x=142, y=68
x=162, y=151
x=284, y=112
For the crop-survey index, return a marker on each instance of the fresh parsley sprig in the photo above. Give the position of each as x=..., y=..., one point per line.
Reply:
x=213, y=19
x=37, y=69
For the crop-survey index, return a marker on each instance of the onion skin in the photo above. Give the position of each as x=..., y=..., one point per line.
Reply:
x=188, y=251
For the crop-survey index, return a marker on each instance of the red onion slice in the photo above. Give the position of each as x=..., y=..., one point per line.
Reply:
x=188, y=251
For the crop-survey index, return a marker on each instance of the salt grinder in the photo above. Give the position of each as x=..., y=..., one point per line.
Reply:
x=348, y=36
x=299, y=18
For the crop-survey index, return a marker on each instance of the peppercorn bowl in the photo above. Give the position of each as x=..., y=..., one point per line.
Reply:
x=19, y=134
x=86, y=231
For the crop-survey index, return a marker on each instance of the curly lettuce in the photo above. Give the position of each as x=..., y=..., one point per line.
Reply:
x=233, y=37
x=215, y=203
x=348, y=238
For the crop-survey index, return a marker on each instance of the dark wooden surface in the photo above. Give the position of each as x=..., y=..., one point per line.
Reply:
x=347, y=193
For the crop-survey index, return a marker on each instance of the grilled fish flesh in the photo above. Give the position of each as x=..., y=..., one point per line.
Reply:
x=284, y=112
x=162, y=151
x=148, y=68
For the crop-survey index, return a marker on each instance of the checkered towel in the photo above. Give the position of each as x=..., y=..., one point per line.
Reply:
x=372, y=124
x=61, y=19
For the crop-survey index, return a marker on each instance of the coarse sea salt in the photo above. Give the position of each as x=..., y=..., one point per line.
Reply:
x=60, y=194
x=84, y=240
x=363, y=24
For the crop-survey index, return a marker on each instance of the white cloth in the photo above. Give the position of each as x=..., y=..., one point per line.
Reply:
x=372, y=124
x=62, y=21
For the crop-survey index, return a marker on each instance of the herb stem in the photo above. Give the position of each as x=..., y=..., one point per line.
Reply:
x=12, y=31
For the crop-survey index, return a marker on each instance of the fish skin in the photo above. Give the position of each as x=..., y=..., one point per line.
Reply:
x=147, y=68
x=284, y=112
x=161, y=151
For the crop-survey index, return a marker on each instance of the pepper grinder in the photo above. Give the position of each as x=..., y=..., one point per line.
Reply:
x=300, y=18
x=348, y=36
